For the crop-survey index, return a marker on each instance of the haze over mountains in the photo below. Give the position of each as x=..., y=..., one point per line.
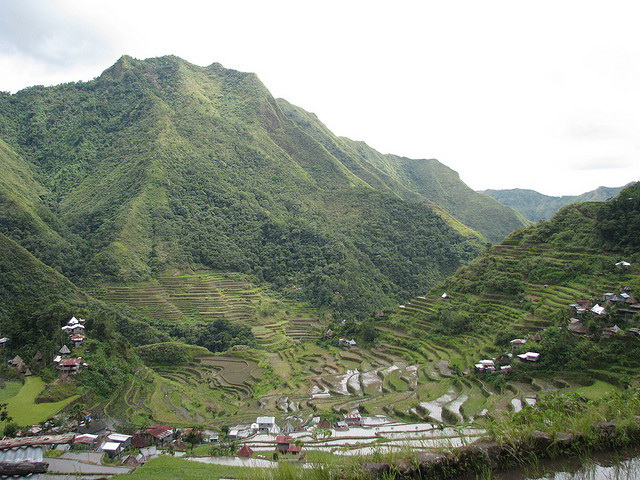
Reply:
x=536, y=206
x=159, y=163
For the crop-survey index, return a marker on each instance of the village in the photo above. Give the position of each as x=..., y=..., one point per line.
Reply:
x=86, y=439
x=608, y=306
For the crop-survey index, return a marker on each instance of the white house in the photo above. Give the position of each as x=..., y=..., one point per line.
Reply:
x=267, y=425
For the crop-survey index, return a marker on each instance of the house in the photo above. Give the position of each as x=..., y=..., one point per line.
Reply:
x=245, y=451
x=529, y=357
x=64, y=350
x=139, y=441
x=486, y=366
x=445, y=295
x=324, y=424
x=159, y=434
x=267, y=425
x=76, y=340
x=634, y=331
x=598, y=310
x=112, y=448
x=70, y=365
x=86, y=440
x=516, y=342
x=353, y=419
x=70, y=329
x=288, y=428
x=284, y=445
x=610, y=331
x=125, y=440
x=576, y=327
x=628, y=299
x=622, y=263
x=17, y=360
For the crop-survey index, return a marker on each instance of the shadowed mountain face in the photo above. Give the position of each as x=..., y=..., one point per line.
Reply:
x=536, y=206
x=159, y=163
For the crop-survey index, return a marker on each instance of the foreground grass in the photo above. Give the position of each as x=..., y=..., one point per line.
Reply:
x=166, y=467
x=23, y=409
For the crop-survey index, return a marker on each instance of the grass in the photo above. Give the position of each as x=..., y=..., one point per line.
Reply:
x=9, y=389
x=166, y=467
x=23, y=409
x=598, y=389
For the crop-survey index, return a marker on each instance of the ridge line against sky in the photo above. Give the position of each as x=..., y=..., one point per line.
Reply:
x=542, y=95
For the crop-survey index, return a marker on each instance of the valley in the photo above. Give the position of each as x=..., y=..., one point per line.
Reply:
x=235, y=261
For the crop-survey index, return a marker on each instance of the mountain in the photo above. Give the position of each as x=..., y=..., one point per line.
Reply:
x=524, y=288
x=536, y=206
x=160, y=164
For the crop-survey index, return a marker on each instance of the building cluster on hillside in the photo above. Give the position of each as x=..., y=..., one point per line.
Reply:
x=75, y=329
x=65, y=362
x=620, y=306
x=502, y=364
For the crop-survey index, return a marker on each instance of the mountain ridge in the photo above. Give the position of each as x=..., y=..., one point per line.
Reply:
x=536, y=206
x=159, y=163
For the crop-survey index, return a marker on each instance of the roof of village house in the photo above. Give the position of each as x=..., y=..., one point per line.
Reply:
x=64, y=350
x=159, y=431
x=324, y=423
x=576, y=326
x=139, y=441
x=16, y=360
x=85, y=438
x=38, y=440
x=293, y=448
x=68, y=362
x=119, y=437
x=266, y=420
x=283, y=439
x=245, y=451
x=531, y=356
x=110, y=446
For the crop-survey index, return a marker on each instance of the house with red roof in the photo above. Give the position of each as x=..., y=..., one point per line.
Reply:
x=245, y=451
x=159, y=434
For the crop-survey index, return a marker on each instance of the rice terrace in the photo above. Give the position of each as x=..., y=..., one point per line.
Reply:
x=190, y=266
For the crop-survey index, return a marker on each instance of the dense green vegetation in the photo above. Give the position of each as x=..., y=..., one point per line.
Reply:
x=159, y=164
x=536, y=206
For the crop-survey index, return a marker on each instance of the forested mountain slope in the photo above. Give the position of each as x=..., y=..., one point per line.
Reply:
x=159, y=163
x=536, y=206
x=425, y=180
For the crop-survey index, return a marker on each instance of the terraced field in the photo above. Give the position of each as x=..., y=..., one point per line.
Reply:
x=417, y=371
x=413, y=331
x=203, y=296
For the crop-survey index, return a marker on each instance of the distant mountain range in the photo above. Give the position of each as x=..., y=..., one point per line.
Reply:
x=536, y=206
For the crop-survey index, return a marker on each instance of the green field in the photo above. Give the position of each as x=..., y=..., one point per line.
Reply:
x=166, y=467
x=23, y=409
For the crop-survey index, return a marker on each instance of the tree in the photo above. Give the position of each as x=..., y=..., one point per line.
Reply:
x=193, y=438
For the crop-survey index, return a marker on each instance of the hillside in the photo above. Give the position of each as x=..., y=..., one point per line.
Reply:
x=415, y=361
x=536, y=206
x=425, y=180
x=160, y=164
x=523, y=289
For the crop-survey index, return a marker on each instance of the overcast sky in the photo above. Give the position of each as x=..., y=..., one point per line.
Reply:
x=511, y=94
